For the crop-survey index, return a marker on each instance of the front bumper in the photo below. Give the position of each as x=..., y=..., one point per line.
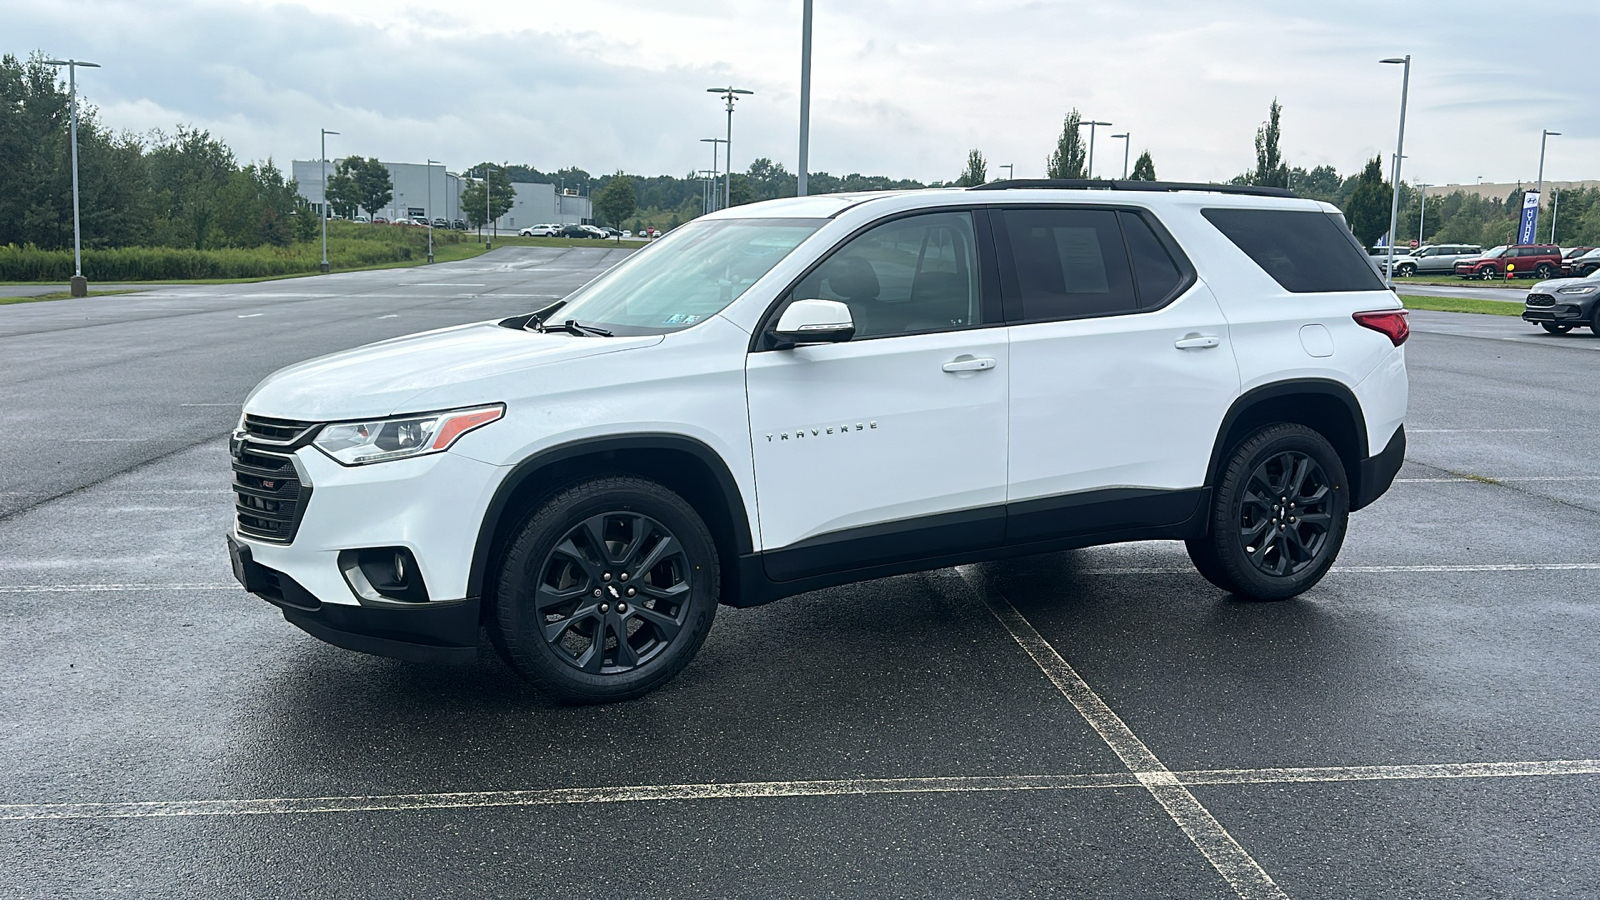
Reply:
x=1572, y=314
x=432, y=632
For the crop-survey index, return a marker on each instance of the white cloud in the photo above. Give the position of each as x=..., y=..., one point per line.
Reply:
x=902, y=87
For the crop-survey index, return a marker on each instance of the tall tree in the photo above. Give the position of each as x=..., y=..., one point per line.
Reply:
x=976, y=172
x=342, y=193
x=617, y=200
x=374, y=187
x=1367, y=210
x=500, y=196
x=1068, y=159
x=1270, y=170
x=1144, y=168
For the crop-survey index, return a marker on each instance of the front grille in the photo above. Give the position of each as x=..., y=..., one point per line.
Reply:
x=269, y=497
x=1541, y=300
x=280, y=432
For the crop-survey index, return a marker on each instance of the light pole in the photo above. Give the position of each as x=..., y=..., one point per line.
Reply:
x=1126, y=144
x=488, y=244
x=1544, y=136
x=1010, y=171
x=79, y=284
x=431, y=164
x=1399, y=151
x=1555, y=208
x=730, y=93
x=325, y=133
x=1423, y=217
x=805, y=97
x=714, y=170
x=1089, y=172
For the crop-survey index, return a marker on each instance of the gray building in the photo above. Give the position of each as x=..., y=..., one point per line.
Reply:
x=435, y=193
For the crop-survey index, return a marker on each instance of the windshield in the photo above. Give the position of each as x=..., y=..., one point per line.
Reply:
x=686, y=277
x=1496, y=253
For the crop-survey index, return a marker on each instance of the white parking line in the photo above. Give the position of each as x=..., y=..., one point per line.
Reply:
x=1491, y=479
x=1365, y=570
x=1231, y=861
x=1476, y=430
x=80, y=588
x=756, y=790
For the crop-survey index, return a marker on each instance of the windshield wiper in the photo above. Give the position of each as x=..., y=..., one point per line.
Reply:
x=573, y=326
x=535, y=320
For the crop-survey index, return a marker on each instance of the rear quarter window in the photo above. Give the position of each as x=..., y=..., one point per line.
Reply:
x=1303, y=250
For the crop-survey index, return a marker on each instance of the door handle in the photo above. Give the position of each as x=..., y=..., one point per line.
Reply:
x=968, y=364
x=1194, y=341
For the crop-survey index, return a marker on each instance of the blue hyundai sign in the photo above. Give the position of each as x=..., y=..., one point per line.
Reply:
x=1530, y=219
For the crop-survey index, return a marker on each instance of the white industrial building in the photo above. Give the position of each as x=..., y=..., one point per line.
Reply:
x=433, y=192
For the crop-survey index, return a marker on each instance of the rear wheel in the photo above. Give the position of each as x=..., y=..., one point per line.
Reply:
x=1544, y=271
x=1555, y=327
x=607, y=591
x=1278, y=515
x=1594, y=319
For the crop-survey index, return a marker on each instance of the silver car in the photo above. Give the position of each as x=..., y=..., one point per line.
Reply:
x=1436, y=259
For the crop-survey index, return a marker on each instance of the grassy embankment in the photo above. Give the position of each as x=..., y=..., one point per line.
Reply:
x=1462, y=305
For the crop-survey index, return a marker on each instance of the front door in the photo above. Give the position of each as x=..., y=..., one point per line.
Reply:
x=891, y=446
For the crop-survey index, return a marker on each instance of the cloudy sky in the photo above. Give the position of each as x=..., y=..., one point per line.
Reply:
x=901, y=87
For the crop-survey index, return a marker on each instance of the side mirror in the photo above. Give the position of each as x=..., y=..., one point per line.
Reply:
x=815, y=322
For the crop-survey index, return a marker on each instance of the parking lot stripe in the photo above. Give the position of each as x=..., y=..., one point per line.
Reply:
x=779, y=789
x=1248, y=880
x=1487, y=479
x=75, y=588
x=1476, y=430
x=1366, y=570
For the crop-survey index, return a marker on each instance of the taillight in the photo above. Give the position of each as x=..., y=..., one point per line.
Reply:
x=1392, y=322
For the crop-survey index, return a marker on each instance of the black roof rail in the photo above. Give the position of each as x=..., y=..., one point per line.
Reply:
x=1093, y=184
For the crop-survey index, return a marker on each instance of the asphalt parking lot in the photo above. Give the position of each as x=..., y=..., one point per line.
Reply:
x=1099, y=723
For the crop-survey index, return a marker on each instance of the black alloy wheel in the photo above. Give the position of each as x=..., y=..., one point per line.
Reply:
x=1556, y=327
x=1278, y=518
x=1544, y=271
x=607, y=592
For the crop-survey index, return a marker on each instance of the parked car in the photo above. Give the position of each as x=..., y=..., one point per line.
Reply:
x=540, y=231
x=360, y=218
x=1434, y=259
x=1570, y=256
x=379, y=220
x=1519, y=261
x=610, y=232
x=459, y=224
x=441, y=223
x=1585, y=265
x=1560, y=305
x=808, y=392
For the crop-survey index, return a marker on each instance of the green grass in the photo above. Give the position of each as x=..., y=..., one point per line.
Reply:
x=1462, y=305
x=59, y=295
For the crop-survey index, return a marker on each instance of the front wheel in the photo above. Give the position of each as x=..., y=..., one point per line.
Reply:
x=1555, y=327
x=607, y=591
x=1487, y=273
x=1278, y=515
x=1405, y=271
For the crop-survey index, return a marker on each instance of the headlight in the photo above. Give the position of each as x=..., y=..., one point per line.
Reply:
x=380, y=440
x=1586, y=289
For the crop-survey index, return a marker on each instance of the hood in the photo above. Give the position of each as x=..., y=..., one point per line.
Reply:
x=381, y=379
x=1554, y=284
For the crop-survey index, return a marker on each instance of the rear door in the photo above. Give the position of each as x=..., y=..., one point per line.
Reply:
x=1121, y=371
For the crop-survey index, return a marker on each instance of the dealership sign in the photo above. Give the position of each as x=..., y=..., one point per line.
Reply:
x=1530, y=218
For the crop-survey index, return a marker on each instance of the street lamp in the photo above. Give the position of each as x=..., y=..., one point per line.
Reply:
x=1423, y=217
x=1543, y=137
x=1089, y=172
x=1010, y=171
x=805, y=97
x=730, y=93
x=431, y=164
x=79, y=285
x=488, y=243
x=1399, y=150
x=714, y=170
x=1126, y=144
x=325, y=133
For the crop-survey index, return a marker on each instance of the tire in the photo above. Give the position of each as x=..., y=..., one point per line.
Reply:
x=1250, y=550
x=1405, y=271
x=1594, y=319
x=565, y=617
x=1487, y=273
x=1544, y=271
x=1555, y=327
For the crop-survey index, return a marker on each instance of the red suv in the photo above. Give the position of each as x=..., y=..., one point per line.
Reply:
x=1523, y=260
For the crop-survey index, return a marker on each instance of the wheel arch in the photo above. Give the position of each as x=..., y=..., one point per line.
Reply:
x=682, y=464
x=1328, y=407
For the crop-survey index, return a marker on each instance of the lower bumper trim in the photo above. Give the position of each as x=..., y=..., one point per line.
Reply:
x=1378, y=472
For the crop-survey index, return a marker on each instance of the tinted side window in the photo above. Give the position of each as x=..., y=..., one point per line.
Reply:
x=1154, y=272
x=911, y=275
x=1304, y=252
x=1064, y=264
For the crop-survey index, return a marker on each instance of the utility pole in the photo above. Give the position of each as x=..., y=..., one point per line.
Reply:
x=79, y=285
x=714, y=170
x=1399, y=151
x=325, y=133
x=730, y=93
x=805, y=97
x=488, y=244
x=431, y=164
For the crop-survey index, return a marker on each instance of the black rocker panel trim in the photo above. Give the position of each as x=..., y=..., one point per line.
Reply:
x=1083, y=519
x=758, y=588
x=531, y=466
x=888, y=543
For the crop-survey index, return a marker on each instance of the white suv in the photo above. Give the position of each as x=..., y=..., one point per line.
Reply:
x=807, y=392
